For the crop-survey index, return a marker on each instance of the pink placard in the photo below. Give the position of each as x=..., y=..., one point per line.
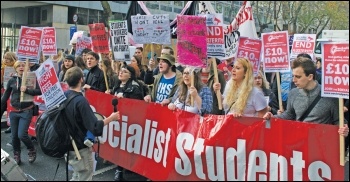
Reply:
x=191, y=43
x=276, y=51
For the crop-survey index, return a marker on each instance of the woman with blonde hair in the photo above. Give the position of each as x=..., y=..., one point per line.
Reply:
x=58, y=60
x=21, y=114
x=241, y=98
x=9, y=61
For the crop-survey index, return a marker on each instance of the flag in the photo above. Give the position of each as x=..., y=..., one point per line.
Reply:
x=189, y=9
x=244, y=22
x=136, y=7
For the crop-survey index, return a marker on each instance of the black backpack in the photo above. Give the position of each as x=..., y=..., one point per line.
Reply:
x=53, y=130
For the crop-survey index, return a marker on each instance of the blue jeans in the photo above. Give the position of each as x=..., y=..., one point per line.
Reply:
x=19, y=129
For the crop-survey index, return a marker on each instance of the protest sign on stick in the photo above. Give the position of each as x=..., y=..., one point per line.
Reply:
x=49, y=85
x=276, y=56
x=99, y=38
x=335, y=78
x=119, y=40
x=192, y=44
x=24, y=77
x=149, y=29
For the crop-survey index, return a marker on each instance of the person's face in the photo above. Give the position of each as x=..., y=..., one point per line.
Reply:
x=84, y=57
x=138, y=52
x=163, y=66
x=258, y=80
x=318, y=65
x=124, y=74
x=300, y=79
x=20, y=68
x=186, y=76
x=68, y=63
x=133, y=60
x=238, y=72
x=7, y=59
x=74, y=45
x=91, y=61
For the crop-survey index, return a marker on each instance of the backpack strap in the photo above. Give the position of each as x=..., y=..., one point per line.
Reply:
x=312, y=105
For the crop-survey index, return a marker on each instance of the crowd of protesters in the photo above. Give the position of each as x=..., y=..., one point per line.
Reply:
x=166, y=82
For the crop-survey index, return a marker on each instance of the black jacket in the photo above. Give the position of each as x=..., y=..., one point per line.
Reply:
x=132, y=90
x=13, y=90
x=79, y=111
x=96, y=79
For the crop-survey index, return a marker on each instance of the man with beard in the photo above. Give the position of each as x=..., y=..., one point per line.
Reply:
x=166, y=82
x=94, y=79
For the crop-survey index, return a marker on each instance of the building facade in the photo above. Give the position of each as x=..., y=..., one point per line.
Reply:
x=59, y=14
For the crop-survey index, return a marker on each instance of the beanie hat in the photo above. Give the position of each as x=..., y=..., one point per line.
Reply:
x=132, y=71
x=70, y=57
x=168, y=57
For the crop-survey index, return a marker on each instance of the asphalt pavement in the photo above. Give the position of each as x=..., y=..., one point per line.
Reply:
x=44, y=168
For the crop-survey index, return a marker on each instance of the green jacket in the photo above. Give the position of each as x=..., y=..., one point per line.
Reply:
x=173, y=90
x=210, y=83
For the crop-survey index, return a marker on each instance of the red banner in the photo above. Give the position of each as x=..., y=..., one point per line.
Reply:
x=49, y=41
x=276, y=51
x=335, y=69
x=250, y=49
x=99, y=38
x=176, y=145
x=29, y=43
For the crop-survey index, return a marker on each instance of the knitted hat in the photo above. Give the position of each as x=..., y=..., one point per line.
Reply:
x=70, y=57
x=131, y=70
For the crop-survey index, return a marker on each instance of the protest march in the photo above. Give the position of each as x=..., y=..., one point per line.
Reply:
x=190, y=98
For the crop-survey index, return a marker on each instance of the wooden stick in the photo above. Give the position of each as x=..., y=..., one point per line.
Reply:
x=24, y=78
x=279, y=91
x=104, y=72
x=192, y=84
x=341, y=124
x=75, y=148
x=152, y=51
x=216, y=80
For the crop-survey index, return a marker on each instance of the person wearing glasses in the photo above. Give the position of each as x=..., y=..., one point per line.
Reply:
x=241, y=98
x=201, y=94
x=127, y=86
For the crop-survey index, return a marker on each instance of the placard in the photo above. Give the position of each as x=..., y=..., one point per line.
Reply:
x=149, y=29
x=335, y=69
x=49, y=46
x=119, y=40
x=276, y=51
x=191, y=43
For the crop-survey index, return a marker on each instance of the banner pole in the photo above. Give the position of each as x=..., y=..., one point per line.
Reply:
x=104, y=72
x=216, y=80
x=341, y=138
x=24, y=78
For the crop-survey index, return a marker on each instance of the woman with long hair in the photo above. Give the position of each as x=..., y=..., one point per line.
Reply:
x=79, y=61
x=241, y=98
x=137, y=60
x=261, y=83
x=68, y=63
x=21, y=114
x=201, y=94
x=58, y=60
